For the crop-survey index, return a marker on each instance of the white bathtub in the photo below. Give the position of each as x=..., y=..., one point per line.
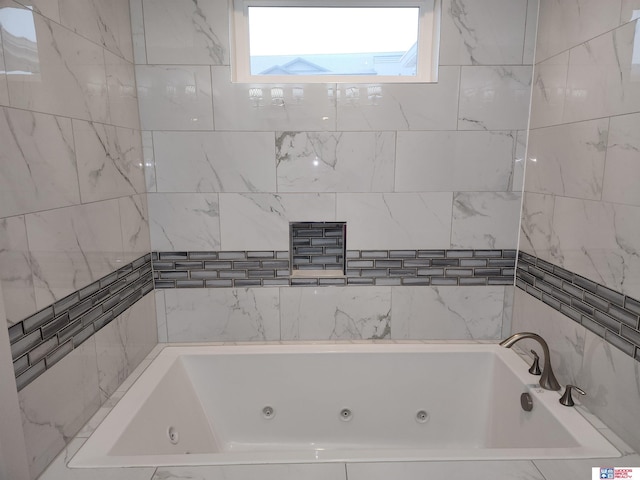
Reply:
x=209, y=405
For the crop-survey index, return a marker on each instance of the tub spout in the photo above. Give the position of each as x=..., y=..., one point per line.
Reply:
x=548, y=379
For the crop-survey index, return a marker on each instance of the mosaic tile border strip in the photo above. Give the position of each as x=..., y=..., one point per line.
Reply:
x=41, y=340
x=227, y=269
x=609, y=314
x=318, y=245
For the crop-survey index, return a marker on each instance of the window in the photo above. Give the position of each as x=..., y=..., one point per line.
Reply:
x=327, y=41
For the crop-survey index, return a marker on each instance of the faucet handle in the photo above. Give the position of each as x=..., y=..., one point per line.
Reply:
x=535, y=366
x=567, y=399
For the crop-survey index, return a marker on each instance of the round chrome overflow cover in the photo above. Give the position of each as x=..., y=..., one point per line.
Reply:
x=345, y=414
x=422, y=417
x=174, y=436
x=268, y=412
x=526, y=401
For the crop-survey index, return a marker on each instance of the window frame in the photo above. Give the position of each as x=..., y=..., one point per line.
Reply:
x=428, y=42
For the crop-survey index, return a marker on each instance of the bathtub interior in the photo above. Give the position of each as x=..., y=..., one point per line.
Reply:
x=205, y=408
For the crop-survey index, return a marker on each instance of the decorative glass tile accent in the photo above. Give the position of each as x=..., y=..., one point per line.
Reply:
x=605, y=312
x=363, y=267
x=317, y=246
x=44, y=338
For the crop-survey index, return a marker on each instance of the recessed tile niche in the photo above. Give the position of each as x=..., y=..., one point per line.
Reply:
x=317, y=248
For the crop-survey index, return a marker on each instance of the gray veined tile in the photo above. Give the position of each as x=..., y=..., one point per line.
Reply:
x=586, y=74
x=457, y=161
x=487, y=33
x=186, y=33
x=109, y=161
x=335, y=162
x=75, y=70
x=105, y=24
x=187, y=107
x=222, y=314
x=569, y=159
x=494, y=97
x=214, y=162
x=181, y=221
x=16, y=274
x=38, y=162
x=469, y=312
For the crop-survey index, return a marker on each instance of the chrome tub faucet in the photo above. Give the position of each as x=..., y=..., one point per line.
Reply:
x=548, y=379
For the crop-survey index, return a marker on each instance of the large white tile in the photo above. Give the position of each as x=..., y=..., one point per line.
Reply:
x=186, y=32
x=600, y=241
x=47, y=8
x=610, y=378
x=149, y=161
x=494, y=98
x=225, y=314
x=507, y=313
x=623, y=166
x=485, y=220
x=62, y=74
x=16, y=277
x=487, y=32
x=124, y=343
x=549, y=91
x=568, y=160
x=487, y=470
x=271, y=107
x=531, y=28
x=565, y=337
x=431, y=106
x=4, y=87
x=260, y=221
x=184, y=221
x=73, y=246
x=603, y=78
x=121, y=89
x=450, y=161
x=315, y=471
x=109, y=161
x=134, y=221
x=137, y=32
x=335, y=162
x=161, y=316
x=519, y=157
x=396, y=220
x=174, y=97
x=37, y=162
x=563, y=25
x=49, y=420
x=337, y=313
x=106, y=23
x=537, y=236
x=447, y=313
x=214, y=161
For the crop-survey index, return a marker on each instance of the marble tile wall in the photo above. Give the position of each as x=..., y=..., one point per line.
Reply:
x=72, y=185
x=406, y=166
x=333, y=313
x=57, y=404
x=72, y=192
x=580, y=207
